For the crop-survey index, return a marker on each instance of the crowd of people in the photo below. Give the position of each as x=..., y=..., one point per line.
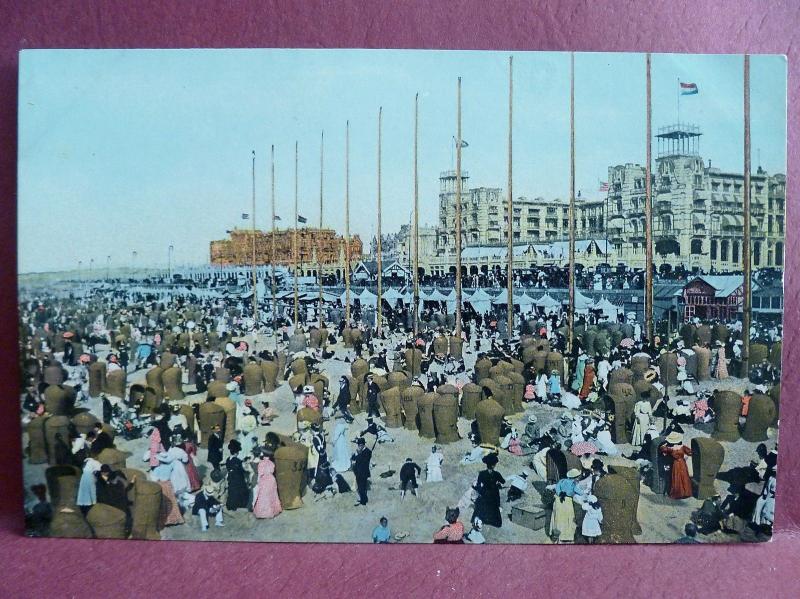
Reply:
x=611, y=402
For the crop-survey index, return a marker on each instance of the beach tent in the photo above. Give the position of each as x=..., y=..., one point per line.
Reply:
x=438, y=296
x=609, y=310
x=582, y=303
x=549, y=304
x=451, y=300
x=393, y=295
x=481, y=301
x=368, y=298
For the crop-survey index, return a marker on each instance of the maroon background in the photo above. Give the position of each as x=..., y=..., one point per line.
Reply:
x=40, y=567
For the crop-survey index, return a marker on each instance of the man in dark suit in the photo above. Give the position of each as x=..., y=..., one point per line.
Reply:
x=408, y=477
x=215, y=443
x=361, y=462
x=372, y=396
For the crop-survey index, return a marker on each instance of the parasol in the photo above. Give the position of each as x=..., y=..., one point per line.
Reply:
x=582, y=448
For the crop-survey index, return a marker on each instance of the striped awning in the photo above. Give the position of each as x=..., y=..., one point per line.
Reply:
x=731, y=220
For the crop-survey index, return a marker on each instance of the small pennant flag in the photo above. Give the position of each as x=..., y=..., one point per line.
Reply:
x=688, y=89
x=277, y=217
x=464, y=144
x=301, y=219
x=603, y=186
x=245, y=216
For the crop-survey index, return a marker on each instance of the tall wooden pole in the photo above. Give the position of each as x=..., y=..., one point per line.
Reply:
x=379, y=248
x=510, y=277
x=255, y=279
x=648, y=217
x=272, y=258
x=458, y=212
x=319, y=237
x=571, y=315
x=296, y=249
x=746, y=251
x=347, y=224
x=416, y=218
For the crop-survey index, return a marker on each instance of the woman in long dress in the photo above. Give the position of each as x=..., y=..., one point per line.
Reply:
x=764, y=512
x=156, y=446
x=341, y=445
x=238, y=491
x=170, y=510
x=487, y=503
x=87, y=487
x=680, y=484
x=562, y=519
x=541, y=387
x=579, y=372
x=195, y=482
x=434, y=465
x=642, y=412
x=266, y=504
x=721, y=370
x=554, y=383
x=588, y=379
x=179, y=478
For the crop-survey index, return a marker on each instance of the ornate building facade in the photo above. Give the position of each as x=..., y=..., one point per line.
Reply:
x=697, y=216
x=484, y=224
x=697, y=210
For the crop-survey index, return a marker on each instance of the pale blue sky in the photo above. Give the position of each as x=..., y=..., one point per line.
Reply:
x=136, y=149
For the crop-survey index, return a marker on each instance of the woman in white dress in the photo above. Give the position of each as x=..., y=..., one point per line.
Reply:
x=593, y=518
x=541, y=387
x=642, y=413
x=341, y=445
x=178, y=477
x=764, y=512
x=434, y=465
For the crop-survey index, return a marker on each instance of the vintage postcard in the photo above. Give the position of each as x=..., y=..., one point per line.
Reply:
x=382, y=296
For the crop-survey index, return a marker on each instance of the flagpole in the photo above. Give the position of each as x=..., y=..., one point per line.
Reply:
x=648, y=212
x=347, y=224
x=379, y=248
x=255, y=279
x=746, y=308
x=416, y=218
x=510, y=289
x=319, y=237
x=571, y=315
x=272, y=259
x=458, y=212
x=296, y=248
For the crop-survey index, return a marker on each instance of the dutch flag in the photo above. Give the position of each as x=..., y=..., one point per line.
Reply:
x=688, y=89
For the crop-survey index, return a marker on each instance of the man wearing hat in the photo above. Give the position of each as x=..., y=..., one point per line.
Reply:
x=408, y=477
x=215, y=443
x=206, y=504
x=372, y=396
x=531, y=433
x=360, y=462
